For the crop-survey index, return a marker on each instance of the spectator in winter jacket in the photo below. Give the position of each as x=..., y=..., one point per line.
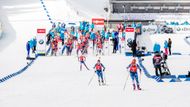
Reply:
x=157, y=63
x=31, y=44
x=93, y=38
x=48, y=39
x=28, y=48
x=62, y=34
x=166, y=47
x=92, y=26
x=98, y=70
x=156, y=47
x=102, y=33
x=107, y=36
x=133, y=67
x=113, y=34
x=134, y=48
x=34, y=44
x=52, y=34
x=86, y=28
x=115, y=44
x=169, y=46
x=92, y=35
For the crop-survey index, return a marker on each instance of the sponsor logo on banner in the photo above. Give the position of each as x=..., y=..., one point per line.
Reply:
x=180, y=28
x=130, y=34
x=41, y=41
x=183, y=29
x=151, y=29
x=130, y=30
x=41, y=38
x=98, y=21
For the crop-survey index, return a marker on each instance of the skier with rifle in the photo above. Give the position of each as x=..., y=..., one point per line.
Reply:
x=133, y=67
x=82, y=60
x=98, y=70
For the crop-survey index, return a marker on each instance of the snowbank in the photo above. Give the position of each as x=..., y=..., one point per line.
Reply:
x=88, y=9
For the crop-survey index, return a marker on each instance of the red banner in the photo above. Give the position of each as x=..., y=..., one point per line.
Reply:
x=98, y=21
x=41, y=30
x=130, y=30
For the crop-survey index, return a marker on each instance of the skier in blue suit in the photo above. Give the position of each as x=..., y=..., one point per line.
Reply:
x=98, y=70
x=34, y=42
x=92, y=26
x=28, y=48
x=62, y=35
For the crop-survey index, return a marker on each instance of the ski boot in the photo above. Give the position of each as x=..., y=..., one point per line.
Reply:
x=103, y=83
x=99, y=82
x=134, y=87
x=138, y=87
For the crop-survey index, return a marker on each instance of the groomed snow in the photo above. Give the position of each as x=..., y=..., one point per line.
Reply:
x=19, y=26
x=57, y=81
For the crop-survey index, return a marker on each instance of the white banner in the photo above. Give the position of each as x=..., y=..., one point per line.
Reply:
x=180, y=28
x=41, y=41
x=149, y=29
x=130, y=34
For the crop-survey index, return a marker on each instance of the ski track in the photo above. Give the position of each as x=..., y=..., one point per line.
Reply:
x=57, y=81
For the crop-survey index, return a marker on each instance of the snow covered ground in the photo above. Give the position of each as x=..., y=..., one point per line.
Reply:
x=57, y=81
x=19, y=26
x=178, y=64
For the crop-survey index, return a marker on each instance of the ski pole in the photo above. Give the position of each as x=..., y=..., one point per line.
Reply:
x=104, y=77
x=126, y=81
x=140, y=76
x=91, y=78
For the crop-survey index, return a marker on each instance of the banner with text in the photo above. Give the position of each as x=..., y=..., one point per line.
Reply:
x=41, y=41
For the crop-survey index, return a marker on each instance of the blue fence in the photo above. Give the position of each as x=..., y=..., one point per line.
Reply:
x=21, y=70
x=173, y=78
x=32, y=61
x=46, y=11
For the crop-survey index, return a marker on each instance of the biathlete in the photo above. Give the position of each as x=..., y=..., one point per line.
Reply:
x=98, y=70
x=82, y=60
x=133, y=67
